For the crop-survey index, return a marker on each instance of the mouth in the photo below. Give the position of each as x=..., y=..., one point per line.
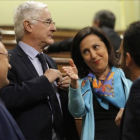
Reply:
x=97, y=62
x=51, y=35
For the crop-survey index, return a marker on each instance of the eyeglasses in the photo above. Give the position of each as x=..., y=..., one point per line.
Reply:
x=7, y=55
x=47, y=23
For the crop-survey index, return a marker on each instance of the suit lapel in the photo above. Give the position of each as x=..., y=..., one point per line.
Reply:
x=23, y=56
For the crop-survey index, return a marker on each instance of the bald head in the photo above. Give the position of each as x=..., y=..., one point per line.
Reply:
x=4, y=66
x=1, y=45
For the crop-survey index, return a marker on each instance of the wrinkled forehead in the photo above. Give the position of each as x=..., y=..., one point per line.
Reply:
x=46, y=14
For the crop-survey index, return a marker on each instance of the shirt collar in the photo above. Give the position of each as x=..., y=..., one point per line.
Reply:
x=30, y=51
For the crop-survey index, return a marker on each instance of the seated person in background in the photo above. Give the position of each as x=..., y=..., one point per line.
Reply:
x=9, y=130
x=62, y=46
x=130, y=63
x=106, y=21
x=100, y=94
x=103, y=19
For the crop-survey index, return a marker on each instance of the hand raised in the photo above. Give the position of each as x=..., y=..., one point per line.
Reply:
x=72, y=72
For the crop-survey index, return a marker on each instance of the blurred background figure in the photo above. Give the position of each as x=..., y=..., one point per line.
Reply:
x=130, y=63
x=106, y=21
x=103, y=19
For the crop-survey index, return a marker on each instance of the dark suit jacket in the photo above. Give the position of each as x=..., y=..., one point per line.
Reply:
x=26, y=99
x=9, y=129
x=130, y=126
x=62, y=46
x=113, y=37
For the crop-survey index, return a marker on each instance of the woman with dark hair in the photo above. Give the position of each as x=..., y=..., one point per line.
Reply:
x=98, y=89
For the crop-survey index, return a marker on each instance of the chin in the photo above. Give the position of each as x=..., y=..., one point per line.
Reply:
x=7, y=82
x=50, y=42
x=100, y=69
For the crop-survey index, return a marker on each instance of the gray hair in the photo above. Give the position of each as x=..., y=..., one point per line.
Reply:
x=106, y=18
x=26, y=11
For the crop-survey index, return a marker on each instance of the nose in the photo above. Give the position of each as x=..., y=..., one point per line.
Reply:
x=9, y=66
x=93, y=54
x=53, y=28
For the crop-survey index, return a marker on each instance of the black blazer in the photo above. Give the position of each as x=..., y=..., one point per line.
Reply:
x=113, y=37
x=9, y=129
x=130, y=125
x=26, y=99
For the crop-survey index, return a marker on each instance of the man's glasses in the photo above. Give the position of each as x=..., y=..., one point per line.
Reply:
x=7, y=55
x=47, y=23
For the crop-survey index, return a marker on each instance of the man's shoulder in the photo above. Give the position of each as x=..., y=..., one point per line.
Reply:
x=14, y=54
x=135, y=89
x=13, y=51
x=136, y=82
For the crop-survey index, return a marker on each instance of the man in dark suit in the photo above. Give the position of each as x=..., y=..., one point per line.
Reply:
x=9, y=130
x=35, y=96
x=105, y=20
x=130, y=63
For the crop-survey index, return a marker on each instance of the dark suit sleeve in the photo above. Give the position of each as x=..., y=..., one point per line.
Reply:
x=24, y=88
x=5, y=127
x=62, y=46
x=32, y=91
x=135, y=101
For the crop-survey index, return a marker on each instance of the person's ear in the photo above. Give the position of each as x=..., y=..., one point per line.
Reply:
x=96, y=23
x=27, y=26
x=128, y=59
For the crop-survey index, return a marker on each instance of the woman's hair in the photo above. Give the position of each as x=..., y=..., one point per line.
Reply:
x=82, y=67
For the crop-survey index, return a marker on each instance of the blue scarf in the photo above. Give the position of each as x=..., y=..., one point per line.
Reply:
x=109, y=91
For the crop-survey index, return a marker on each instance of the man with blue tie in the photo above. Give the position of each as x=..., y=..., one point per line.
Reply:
x=37, y=100
x=9, y=130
